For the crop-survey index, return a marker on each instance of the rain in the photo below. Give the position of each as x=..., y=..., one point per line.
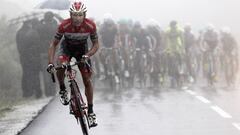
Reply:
x=162, y=67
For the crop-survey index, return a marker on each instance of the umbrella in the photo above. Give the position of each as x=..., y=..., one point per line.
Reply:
x=55, y=4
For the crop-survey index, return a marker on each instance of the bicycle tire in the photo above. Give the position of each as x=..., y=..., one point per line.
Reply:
x=211, y=71
x=229, y=75
x=81, y=116
x=84, y=124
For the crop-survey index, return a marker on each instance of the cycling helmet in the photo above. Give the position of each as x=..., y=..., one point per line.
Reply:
x=122, y=21
x=153, y=23
x=226, y=30
x=210, y=27
x=187, y=27
x=137, y=24
x=108, y=18
x=77, y=7
x=173, y=23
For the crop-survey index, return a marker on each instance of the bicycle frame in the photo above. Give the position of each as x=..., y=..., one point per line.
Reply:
x=77, y=105
x=210, y=67
x=229, y=68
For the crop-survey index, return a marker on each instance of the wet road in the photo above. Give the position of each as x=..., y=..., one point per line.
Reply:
x=192, y=111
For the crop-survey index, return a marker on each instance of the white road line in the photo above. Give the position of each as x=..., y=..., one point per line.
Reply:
x=190, y=92
x=221, y=112
x=236, y=125
x=203, y=99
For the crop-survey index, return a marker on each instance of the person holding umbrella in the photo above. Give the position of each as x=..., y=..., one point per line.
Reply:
x=74, y=33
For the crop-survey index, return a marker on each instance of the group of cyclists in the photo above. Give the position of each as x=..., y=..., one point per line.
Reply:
x=136, y=55
x=133, y=55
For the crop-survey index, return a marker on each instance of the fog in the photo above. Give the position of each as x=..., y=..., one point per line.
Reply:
x=220, y=13
x=198, y=13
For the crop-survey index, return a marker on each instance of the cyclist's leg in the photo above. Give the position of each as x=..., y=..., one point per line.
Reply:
x=60, y=77
x=86, y=76
x=236, y=62
x=63, y=58
x=204, y=64
x=232, y=68
x=102, y=60
x=170, y=69
x=214, y=58
x=60, y=73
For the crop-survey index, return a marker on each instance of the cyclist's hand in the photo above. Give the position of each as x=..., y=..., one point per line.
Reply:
x=50, y=68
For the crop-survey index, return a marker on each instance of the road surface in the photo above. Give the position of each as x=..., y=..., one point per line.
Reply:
x=189, y=111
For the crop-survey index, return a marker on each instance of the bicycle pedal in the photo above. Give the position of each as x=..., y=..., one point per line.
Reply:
x=71, y=112
x=93, y=125
x=92, y=120
x=64, y=102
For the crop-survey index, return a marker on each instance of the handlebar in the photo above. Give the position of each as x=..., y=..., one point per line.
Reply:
x=68, y=66
x=53, y=77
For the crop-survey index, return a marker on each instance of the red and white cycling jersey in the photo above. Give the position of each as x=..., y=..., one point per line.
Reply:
x=75, y=39
x=77, y=35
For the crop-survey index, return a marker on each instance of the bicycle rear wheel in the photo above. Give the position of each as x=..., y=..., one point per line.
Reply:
x=211, y=71
x=229, y=74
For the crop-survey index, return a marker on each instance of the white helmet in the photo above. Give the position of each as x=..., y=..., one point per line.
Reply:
x=77, y=7
x=152, y=23
x=107, y=17
x=210, y=27
x=226, y=30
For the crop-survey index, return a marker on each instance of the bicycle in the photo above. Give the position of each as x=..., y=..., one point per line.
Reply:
x=76, y=103
x=230, y=66
x=140, y=64
x=209, y=68
x=175, y=69
x=110, y=67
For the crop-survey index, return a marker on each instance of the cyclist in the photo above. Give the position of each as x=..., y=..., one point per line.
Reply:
x=229, y=48
x=108, y=31
x=228, y=41
x=209, y=45
x=108, y=35
x=74, y=33
x=139, y=36
x=123, y=36
x=174, y=39
x=140, y=42
x=156, y=58
x=175, y=50
x=189, y=43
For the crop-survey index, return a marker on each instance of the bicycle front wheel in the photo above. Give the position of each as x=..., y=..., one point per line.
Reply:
x=84, y=124
x=79, y=112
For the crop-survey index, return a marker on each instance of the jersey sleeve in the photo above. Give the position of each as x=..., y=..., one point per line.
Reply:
x=93, y=34
x=59, y=33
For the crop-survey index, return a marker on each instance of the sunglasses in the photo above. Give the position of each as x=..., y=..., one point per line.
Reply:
x=77, y=13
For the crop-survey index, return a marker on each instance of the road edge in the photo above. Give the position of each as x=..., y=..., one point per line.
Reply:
x=34, y=117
